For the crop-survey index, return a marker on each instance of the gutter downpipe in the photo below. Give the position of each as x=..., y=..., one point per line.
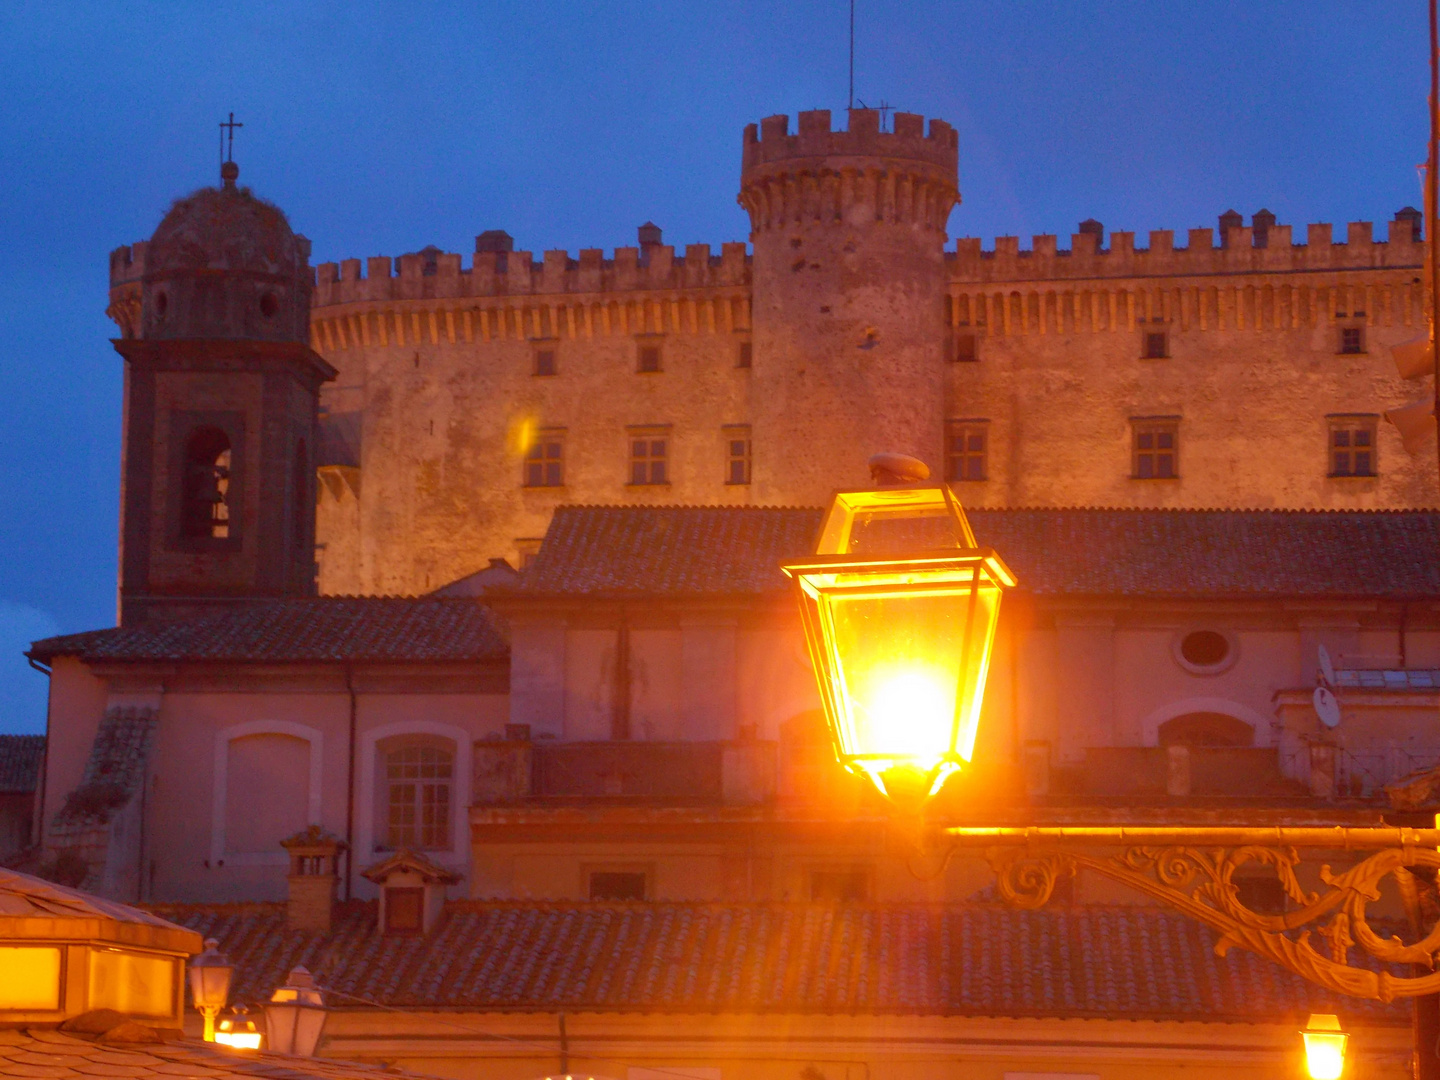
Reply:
x=37, y=828
x=350, y=787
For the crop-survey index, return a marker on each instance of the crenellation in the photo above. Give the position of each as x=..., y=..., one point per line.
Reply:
x=350, y=270
x=1043, y=246
x=1318, y=235
x=772, y=141
x=1359, y=232
x=1162, y=243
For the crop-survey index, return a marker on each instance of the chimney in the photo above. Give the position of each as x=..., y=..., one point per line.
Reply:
x=500, y=242
x=1095, y=229
x=314, y=854
x=648, y=235
x=1409, y=225
x=1260, y=225
x=1230, y=219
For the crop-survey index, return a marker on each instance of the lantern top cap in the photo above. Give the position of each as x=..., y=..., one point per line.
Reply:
x=888, y=468
x=1323, y=1022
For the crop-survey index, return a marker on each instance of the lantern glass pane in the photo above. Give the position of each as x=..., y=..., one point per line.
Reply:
x=1325, y=1054
x=132, y=983
x=907, y=652
x=31, y=977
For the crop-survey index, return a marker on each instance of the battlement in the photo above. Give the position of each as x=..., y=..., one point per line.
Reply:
x=1263, y=247
x=771, y=141
x=127, y=264
x=496, y=271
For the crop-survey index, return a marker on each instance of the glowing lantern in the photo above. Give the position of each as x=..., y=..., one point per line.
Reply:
x=899, y=605
x=210, y=975
x=1324, y=1046
x=295, y=1016
x=238, y=1031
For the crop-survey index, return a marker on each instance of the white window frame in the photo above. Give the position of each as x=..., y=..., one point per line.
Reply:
x=223, y=738
x=367, y=828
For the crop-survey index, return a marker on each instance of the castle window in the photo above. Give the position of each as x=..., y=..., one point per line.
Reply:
x=964, y=349
x=617, y=885
x=205, y=507
x=967, y=445
x=647, y=357
x=1352, y=446
x=418, y=779
x=1352, y=340
x=850, y=885
x=737, y=453
x=743, y=354
x=1156, y=345
x=649, y=456
x=545, y=359
x=545, y=460
x=1156, y=448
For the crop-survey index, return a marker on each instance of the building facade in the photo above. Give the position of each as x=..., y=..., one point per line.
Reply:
x=1247, y=368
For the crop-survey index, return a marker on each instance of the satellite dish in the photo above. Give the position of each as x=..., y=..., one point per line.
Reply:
x=1327, y=669
x=1326, y=707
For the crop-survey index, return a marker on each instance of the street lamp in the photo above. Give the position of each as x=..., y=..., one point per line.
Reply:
x=238, y=1031
x=1324, y=1046
x=899, y=606
x=210, y=975
x=295, y=1016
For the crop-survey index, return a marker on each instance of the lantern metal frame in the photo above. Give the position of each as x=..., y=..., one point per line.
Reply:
x=838, y=572
x=295, y=1016
x=210, y=976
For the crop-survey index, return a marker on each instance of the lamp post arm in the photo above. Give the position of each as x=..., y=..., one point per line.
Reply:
x=1194, y=871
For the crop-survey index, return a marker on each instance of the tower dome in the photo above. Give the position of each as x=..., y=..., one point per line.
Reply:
x=225, y=264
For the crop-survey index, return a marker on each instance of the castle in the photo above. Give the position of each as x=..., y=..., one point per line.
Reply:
x=470, y=402
x=608, y=748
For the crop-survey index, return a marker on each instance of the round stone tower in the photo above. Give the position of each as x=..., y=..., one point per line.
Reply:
x=848, y=230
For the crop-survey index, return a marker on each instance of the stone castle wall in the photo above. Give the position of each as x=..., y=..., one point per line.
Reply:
x=854, y=321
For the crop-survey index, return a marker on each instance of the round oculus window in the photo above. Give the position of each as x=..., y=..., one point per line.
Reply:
x=1205, y=648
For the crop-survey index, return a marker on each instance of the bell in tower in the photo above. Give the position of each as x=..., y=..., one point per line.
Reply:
x=221, y=406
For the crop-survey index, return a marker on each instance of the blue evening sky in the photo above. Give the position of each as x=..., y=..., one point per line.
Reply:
x=383, y=127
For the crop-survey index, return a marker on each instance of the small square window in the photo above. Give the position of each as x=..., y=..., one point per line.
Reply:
x=1352, y=446
x=967, y=445
x=1156, y=449
x=966, y=351
x=737, y=454
x=743, y=354
x=544, y=361
x=1352, y=340
x=545, y=460
x=1156, y=345
x=648, y=358
x=649, y=457
x=617, y=885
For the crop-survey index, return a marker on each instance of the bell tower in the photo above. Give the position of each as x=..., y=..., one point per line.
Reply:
x=221, y=408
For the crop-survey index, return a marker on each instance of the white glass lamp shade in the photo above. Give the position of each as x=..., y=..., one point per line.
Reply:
x=295, y=1016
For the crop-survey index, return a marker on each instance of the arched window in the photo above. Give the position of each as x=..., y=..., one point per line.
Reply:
x=1206, y=729
x=301, y=508
x=417, y=778
x=205, y=510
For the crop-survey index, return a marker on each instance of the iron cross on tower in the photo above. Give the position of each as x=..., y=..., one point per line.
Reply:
x=227, y=138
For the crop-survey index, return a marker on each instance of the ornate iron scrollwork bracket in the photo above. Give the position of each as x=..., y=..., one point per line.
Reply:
x=1194, y=871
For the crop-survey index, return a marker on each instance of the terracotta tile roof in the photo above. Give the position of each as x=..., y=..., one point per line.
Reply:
x=599, y=550
x=975, y=959
x=114, y=770
x=37, y=1052
x=20, y=758
x=320, y=629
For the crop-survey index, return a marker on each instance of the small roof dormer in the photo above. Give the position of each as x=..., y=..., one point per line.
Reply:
x=412, y=892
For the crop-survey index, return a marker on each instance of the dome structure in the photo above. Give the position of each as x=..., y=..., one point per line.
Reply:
x=225, y=264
